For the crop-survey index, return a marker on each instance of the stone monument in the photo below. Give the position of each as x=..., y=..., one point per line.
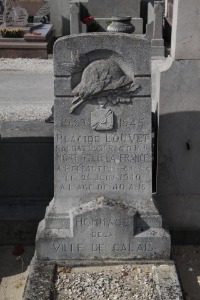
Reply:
x=103, y=12
x=14, y=14
x=154, y=29
x=177, y=89
x=102, y=206
x=18, y=38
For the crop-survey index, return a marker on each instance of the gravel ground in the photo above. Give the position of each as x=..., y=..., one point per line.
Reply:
x=26, y=89
x=42, y=66
x=25, y=112
x=116, y=282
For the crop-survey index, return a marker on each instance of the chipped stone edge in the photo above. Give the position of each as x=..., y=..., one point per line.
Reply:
x=39, y=284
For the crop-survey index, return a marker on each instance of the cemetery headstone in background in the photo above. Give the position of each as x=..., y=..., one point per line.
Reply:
x=102, y=205
x=18, y=38
x=103, y=12
x=14, y=14
x=107, y=9
x=31, y=6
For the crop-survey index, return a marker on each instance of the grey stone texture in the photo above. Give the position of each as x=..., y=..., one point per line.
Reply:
x=154, y=29
x=160, y=280
x=111, y=229
x=178, y=143
x=74, y=18
x=60, y=16
x=150, y=11
x=102, y=153
x=104, y=11
x=39, y=284
x=14, y=14
x=107, y=9
x=185, y=41
x=121, y=24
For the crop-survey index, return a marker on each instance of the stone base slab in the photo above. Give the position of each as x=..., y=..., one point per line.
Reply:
x=40, y=283
x=30, y=46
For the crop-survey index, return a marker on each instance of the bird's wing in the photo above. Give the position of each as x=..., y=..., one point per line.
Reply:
x=97, y=82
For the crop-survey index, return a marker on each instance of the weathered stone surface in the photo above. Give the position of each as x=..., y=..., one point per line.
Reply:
x=185, y=42
x=75, y=18
x=39, y=284
x=178, y=143
x=14, y=15
x=103, y=12
x=151, y=280
x=107, y=8
x=112, y=45
x=111, y=229
x=102, y=153
x=154, y=29
x=157, y=43
x=158, y=28
x=60, y=16
x=136, y=22
x=62, y=86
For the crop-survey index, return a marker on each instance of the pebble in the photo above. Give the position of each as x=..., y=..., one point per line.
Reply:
x=107, y=284
x=27, y=65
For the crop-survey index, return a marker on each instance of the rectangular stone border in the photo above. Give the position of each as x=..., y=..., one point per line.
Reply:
x=40, y=282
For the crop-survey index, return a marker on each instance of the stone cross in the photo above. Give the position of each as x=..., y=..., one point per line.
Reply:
x=157, y=41
x=74, y=18
x=158, y=23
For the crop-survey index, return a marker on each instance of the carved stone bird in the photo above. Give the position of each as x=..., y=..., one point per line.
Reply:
x=103, y=79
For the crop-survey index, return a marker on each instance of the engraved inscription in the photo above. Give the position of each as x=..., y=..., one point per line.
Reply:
x=98, y=247
x=101, y=247
x=68, y=247
x=101, y=222
x=104, y=161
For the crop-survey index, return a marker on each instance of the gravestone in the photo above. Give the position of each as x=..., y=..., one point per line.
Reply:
x=157, y=43
x=107, y=9
x=75, y=23
x=104, y=11
x=154, y=28
x=102, y=206
x=14, y=14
